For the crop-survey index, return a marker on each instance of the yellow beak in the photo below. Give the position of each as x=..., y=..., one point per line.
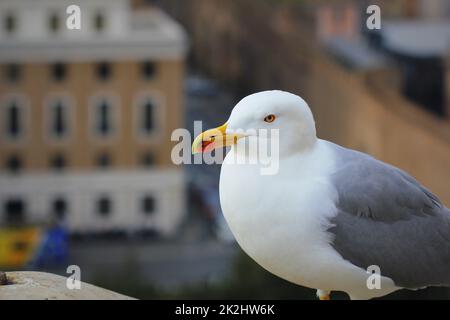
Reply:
x=213, y=139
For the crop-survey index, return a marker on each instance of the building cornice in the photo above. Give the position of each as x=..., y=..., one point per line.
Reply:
x=80, y=51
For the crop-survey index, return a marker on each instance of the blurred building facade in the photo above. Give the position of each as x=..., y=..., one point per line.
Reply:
x=414, y=34
x=86, y=116
x=412, y=9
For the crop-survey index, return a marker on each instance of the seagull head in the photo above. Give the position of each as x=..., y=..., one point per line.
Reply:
x=257, y=117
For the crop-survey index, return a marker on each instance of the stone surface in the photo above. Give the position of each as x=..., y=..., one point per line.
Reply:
x=46, y=286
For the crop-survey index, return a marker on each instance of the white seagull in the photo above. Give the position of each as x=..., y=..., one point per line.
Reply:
x=329, y=213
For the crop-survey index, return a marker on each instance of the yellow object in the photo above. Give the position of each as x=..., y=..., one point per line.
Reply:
x=18, y=245
x=214, y=138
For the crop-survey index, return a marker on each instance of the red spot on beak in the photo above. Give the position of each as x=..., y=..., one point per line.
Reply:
x=205, y=145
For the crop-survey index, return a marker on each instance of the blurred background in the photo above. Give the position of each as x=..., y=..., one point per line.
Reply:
x=86, y=117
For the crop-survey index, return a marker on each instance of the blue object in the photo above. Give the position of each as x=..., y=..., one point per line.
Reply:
x=54, y=249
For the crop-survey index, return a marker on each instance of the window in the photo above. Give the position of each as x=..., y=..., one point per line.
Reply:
x=148, y=205
x=104, y=71
x=14, y=120
x=10, y=23
x=103, y=116
x=147, y=119
x=148, y=159
x=12, y=72
x=59, y=72
x=104, y=161
x=58, y=162
x=14, y=164
x=54, y=23
x=99, y=22
x=14, y=211
x=58, y=119
x=148, y=69
x=59, y=208
x=104, y=206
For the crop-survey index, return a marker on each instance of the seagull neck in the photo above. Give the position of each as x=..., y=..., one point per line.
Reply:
x=303, y=147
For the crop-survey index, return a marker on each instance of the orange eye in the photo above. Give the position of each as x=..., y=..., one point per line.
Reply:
x=270, y=118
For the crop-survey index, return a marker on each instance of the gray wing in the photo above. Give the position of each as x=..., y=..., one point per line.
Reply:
x=386, y=218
